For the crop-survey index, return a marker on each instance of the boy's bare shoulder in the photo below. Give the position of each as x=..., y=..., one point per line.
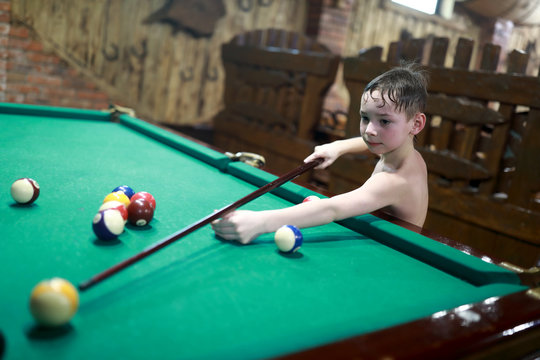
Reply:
x=415, y=165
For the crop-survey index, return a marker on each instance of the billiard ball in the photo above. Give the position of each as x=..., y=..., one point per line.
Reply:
x=125, y=189
x=288, y=238
x=116, y=205
x=25, y=190
x=53, y=302
x=108, y=224
x=145, y=195
x=117, y=196
x=140, y=212
x=311, y=198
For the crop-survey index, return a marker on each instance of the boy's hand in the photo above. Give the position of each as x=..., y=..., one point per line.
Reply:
x=328, y=152
x=240, y=225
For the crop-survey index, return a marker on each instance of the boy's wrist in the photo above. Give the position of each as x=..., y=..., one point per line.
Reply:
x=266, y=226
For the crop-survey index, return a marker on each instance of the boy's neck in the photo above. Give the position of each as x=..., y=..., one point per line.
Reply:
x=393, y=160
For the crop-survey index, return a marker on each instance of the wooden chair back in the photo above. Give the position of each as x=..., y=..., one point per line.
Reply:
x=275, y=85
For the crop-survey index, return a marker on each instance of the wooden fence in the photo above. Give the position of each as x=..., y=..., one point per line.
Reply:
x=275, y=83
x=481, y=144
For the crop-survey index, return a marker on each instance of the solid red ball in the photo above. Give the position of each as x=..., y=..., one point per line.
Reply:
x=145, y=195
x=140, y=212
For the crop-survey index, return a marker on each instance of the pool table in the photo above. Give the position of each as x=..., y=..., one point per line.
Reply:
x=366, y=287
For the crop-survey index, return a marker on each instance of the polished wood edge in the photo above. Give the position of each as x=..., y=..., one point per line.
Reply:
x=510, y=323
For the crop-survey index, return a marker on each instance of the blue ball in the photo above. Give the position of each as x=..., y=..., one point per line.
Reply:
x=108, y=224
x=125, y=189
x=288, y=238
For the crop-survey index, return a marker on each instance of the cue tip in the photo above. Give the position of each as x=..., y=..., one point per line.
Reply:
x=84, y=285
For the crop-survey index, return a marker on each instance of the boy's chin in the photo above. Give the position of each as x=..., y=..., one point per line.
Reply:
x=377, y=149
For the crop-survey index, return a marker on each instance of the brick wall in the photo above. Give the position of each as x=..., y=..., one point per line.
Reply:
x=334, y=23
x=32, y=74
x=328, y=21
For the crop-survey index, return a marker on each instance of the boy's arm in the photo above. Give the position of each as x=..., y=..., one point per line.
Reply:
x=331, y=151
x=378, y=191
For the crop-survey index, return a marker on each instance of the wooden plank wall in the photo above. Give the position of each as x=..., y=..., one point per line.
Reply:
x=169, y=78
x=375, y=22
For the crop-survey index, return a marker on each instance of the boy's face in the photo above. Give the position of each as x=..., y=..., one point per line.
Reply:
x=382, y=127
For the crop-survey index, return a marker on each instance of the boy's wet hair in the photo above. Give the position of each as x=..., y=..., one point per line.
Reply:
x=405, y=86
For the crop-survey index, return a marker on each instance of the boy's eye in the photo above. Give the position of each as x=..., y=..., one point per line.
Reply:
x=364, y=118
x=385, y=122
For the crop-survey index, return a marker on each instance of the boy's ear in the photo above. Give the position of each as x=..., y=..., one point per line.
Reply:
x=419, y=121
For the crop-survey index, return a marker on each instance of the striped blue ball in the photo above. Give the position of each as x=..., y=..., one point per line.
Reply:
x=288, y=239
x=108, y=224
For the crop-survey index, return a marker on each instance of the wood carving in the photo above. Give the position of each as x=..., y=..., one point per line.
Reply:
x=197, y=17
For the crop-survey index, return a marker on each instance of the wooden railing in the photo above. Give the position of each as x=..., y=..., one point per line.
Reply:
x=275, y=85
x=481, y=144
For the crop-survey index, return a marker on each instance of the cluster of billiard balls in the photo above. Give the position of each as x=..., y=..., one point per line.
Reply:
x=123, y=205
x=53, y=302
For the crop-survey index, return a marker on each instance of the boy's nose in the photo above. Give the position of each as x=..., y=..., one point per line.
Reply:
x=370, y=129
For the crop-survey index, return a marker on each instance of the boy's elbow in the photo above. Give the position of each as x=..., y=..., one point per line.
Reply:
x=334, y=213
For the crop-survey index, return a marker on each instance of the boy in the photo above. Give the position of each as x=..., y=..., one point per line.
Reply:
x=391, y=115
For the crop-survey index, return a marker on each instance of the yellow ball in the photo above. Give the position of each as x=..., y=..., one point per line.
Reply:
x=53, y=302
x=118, y=196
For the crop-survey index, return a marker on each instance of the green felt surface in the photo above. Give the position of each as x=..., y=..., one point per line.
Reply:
x=199, y=298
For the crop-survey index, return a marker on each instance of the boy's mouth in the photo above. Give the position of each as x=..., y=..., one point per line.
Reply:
x=371, y=143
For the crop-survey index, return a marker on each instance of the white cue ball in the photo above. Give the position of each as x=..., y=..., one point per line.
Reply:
x=288, y=238
x=25, y=190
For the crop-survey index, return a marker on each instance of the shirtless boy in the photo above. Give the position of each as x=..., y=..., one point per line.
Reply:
x=391, y=113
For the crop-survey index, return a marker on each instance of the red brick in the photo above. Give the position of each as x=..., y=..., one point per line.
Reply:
x=16, y=78
x=25, y=44
x=15, y=98
x=44, y=80
x=5, y=17
x=90, y=86
x=4, y=29
x=43, y=58
x=72, y=72
x=60, y=92
x=23, y=88
x=16, y=66
x=5, y=6
x=35, y=46
x=91, y=95
x=18, y=43
x=73, y=82
x=19, y=31
x=43, y=69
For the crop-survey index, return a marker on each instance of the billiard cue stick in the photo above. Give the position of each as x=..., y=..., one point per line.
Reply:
x=198, y=224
